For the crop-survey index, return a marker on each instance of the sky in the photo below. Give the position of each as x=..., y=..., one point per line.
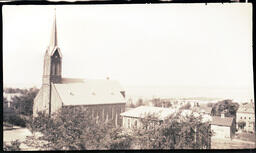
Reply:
x=151, y=49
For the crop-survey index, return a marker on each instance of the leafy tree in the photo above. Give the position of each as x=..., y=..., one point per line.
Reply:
x=73, y=128
x=210, y=104
x=157, y=102
x=226, y=106
x=139, y=103
x=175, y=133
x=117, y=139
x=186, y=106
x=24, y=104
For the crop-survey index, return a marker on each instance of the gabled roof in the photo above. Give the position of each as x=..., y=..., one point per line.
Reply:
x=143, y=111
x=91, y=92
x=71, y=80
x=226, y=121
x=246, y=108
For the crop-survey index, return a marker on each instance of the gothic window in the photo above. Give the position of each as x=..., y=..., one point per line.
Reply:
x=57, y=68
x=135, y=123
x=53, y=69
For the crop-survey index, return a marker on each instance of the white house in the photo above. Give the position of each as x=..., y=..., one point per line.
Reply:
x=132, y=118
x=223, y=127
x=245, y=113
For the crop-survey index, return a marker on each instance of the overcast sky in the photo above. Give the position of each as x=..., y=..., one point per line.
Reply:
x=197, y=45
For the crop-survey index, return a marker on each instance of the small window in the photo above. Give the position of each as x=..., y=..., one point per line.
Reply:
x=244, y=117
x=128, y=123
x=135, y=124
x=241, y=117
x=249, y=118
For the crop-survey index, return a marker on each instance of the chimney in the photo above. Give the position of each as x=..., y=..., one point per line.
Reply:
x=222, y=115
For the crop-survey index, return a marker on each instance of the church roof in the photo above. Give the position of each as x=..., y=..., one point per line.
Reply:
x=71, y=80
x=91, y=92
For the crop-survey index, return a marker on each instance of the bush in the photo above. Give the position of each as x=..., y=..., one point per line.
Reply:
x=15, y=146
x=72, y=129
x=16, y=120
x=117, y=140
x=175, y=133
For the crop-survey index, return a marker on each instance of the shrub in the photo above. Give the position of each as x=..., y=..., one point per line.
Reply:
x=15, y=146
x=72, y=129
x=174, y=133
x=116, y=139
x=16, y=120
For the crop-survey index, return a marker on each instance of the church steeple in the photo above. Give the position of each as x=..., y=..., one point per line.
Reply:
x=53, y=58
x=54, y=38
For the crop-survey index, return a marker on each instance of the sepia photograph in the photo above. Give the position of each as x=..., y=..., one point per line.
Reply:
x=128, y=77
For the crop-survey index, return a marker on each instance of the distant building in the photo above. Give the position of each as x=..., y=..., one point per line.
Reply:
x=203, y=109
x=104, y=98
x=9, y=97
x=132, y=118
x=223, y=127
x=245, y=113
x=8, y=109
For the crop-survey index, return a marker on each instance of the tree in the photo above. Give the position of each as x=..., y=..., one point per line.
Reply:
x=186, y=106
x=139, y=103
x=175, y=133
x=73, y=128
x=226, y=106
x=210, y=104
x=24, y=104
x=117, y=139
x=157, y=102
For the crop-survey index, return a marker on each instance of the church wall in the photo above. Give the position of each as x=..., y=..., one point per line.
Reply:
x=105, y=112
x=45, y=98
x=56, y=102
x=37, y=103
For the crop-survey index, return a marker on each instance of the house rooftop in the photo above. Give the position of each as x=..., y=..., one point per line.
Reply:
x=143, y=111
x=246, y=108
x=225, y=121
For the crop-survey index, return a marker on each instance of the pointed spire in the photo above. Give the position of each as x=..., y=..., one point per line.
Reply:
x=54, y=40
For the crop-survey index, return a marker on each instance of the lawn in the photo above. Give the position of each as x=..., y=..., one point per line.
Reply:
x=246, y=136
x=231, y=144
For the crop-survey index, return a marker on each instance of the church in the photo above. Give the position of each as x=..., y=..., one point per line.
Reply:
x=105, y=97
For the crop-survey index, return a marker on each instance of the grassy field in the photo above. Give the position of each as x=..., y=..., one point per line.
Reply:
x=246, y=136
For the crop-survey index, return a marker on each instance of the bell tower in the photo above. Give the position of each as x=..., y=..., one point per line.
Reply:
x=52, y=58
x=52, y=68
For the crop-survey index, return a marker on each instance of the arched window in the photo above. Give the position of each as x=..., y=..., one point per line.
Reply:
x=57, y=69
x=135, y=124
x=128, y=123
x=53, y=69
